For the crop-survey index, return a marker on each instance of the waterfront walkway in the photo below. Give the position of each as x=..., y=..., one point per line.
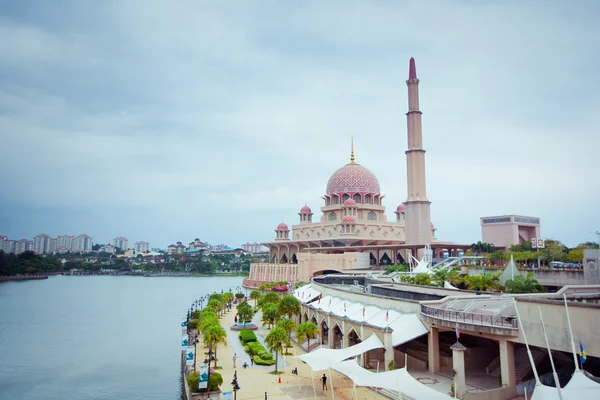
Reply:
x=256, y=380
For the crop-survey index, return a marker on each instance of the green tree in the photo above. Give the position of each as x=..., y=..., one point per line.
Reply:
x=255, y=295
x=575, y=255
x=215, y=304
x=270, y=314
x=228, y=297
x=213, y=336
x=306, y=330
x=442, y=275
x=275, y=340
x=397, y=267
x=288, y=326
x=484, y=283
x=289, y=305
x=521, y=284
x=270, y=297
x=245, y=312
x=423, y=279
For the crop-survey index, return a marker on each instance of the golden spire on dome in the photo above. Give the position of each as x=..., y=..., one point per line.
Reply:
x=352, y=153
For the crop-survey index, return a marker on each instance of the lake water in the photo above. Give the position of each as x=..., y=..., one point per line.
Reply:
x=96, y=337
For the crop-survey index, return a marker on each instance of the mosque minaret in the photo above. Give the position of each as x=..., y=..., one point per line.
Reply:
x=418, y=218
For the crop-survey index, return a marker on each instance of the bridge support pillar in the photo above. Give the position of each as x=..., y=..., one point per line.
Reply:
x=433, y=350
x=388, y=349
x=458, y=369
x=507, y=365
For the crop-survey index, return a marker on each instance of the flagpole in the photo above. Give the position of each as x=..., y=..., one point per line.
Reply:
x=571, y=333
x=550, y=355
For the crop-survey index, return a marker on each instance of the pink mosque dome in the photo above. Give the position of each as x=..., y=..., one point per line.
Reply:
x=348, y=219
x=350, y=203
x=305, y=210
x=401, y=208
x=352, y=178
x=282, y=227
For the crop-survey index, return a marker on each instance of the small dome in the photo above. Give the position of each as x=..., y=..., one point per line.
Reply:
x=305, y=210
x=282, y=227
x=401, y=208
x=348, y=219
x=350, y=203
x=432, y=227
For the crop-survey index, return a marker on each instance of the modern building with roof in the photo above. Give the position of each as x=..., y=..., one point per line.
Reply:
x=353, y=230
x=509, y=230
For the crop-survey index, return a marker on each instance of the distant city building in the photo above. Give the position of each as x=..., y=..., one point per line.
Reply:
x=218, y=247
x=3, y=240
x=178, y=248
x=509, y=230
x=121, y=242
x=64, y=243
x=197, y=244
x=107, y=248
x=82, y=243
x=254, y=248
x=22, y=246
x=142, y=247
x=41, y=244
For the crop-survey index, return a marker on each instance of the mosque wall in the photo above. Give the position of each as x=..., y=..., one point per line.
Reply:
x=370, y=231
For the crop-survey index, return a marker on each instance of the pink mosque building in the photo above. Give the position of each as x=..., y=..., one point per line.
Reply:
x=353, y=231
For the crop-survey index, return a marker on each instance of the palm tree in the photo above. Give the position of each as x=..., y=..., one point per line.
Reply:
x=288, y=326
x=275, y=340
x=445, y=275
x=245, y=312
x=522, y=284
x=306, y=330
x=289, y=305
x=213, y=336
x=270, y=314
x=215, y=304
x=484, y=282
x=228, y=298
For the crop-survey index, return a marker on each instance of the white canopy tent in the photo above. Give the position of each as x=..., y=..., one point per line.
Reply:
x=306, y=294
x=326, y=303
x=580, y=381
x=399, y=380
x=406, y=328
x=322, y=359
x=543, y=392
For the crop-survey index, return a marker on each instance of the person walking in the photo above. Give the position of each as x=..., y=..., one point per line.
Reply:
x=324, y=379
x=251, y=359
x=234, y=359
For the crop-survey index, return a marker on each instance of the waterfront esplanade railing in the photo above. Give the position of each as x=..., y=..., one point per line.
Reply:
x=474, y=318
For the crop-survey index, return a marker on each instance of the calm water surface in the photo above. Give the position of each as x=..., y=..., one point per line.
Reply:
x=96, y=337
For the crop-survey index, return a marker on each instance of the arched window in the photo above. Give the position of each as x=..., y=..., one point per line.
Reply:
x=368, y=199
x=336, y=200
x=345, y=197
x=332, y=216
x=372, y=216
x=356, y=198
x=402, y=216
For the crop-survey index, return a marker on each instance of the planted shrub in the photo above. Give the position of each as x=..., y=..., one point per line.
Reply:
x=192, y=381
x=214, y=381
x=246, y=349
x=256, y=348
x=259, y=361
x=247, y=336
x=265, y=355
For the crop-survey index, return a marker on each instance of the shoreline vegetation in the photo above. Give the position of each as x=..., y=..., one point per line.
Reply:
x=29, y=264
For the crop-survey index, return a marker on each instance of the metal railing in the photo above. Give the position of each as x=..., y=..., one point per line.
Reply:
x=499, y=321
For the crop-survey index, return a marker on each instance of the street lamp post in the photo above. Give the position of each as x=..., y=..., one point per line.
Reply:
x=236, y=387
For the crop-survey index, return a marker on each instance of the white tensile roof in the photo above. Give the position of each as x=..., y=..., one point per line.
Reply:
x=322, y=358
x=306, y=293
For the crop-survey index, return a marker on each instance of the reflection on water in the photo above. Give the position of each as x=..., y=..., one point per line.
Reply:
x=96, y=337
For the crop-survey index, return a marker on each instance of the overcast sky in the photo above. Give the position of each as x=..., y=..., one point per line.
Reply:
x=166, y=121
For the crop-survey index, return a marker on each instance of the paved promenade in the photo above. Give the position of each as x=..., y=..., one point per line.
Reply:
x=254, y=381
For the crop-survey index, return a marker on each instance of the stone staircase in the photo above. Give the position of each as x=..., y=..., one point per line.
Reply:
x=522, y=364
x=314, y=343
